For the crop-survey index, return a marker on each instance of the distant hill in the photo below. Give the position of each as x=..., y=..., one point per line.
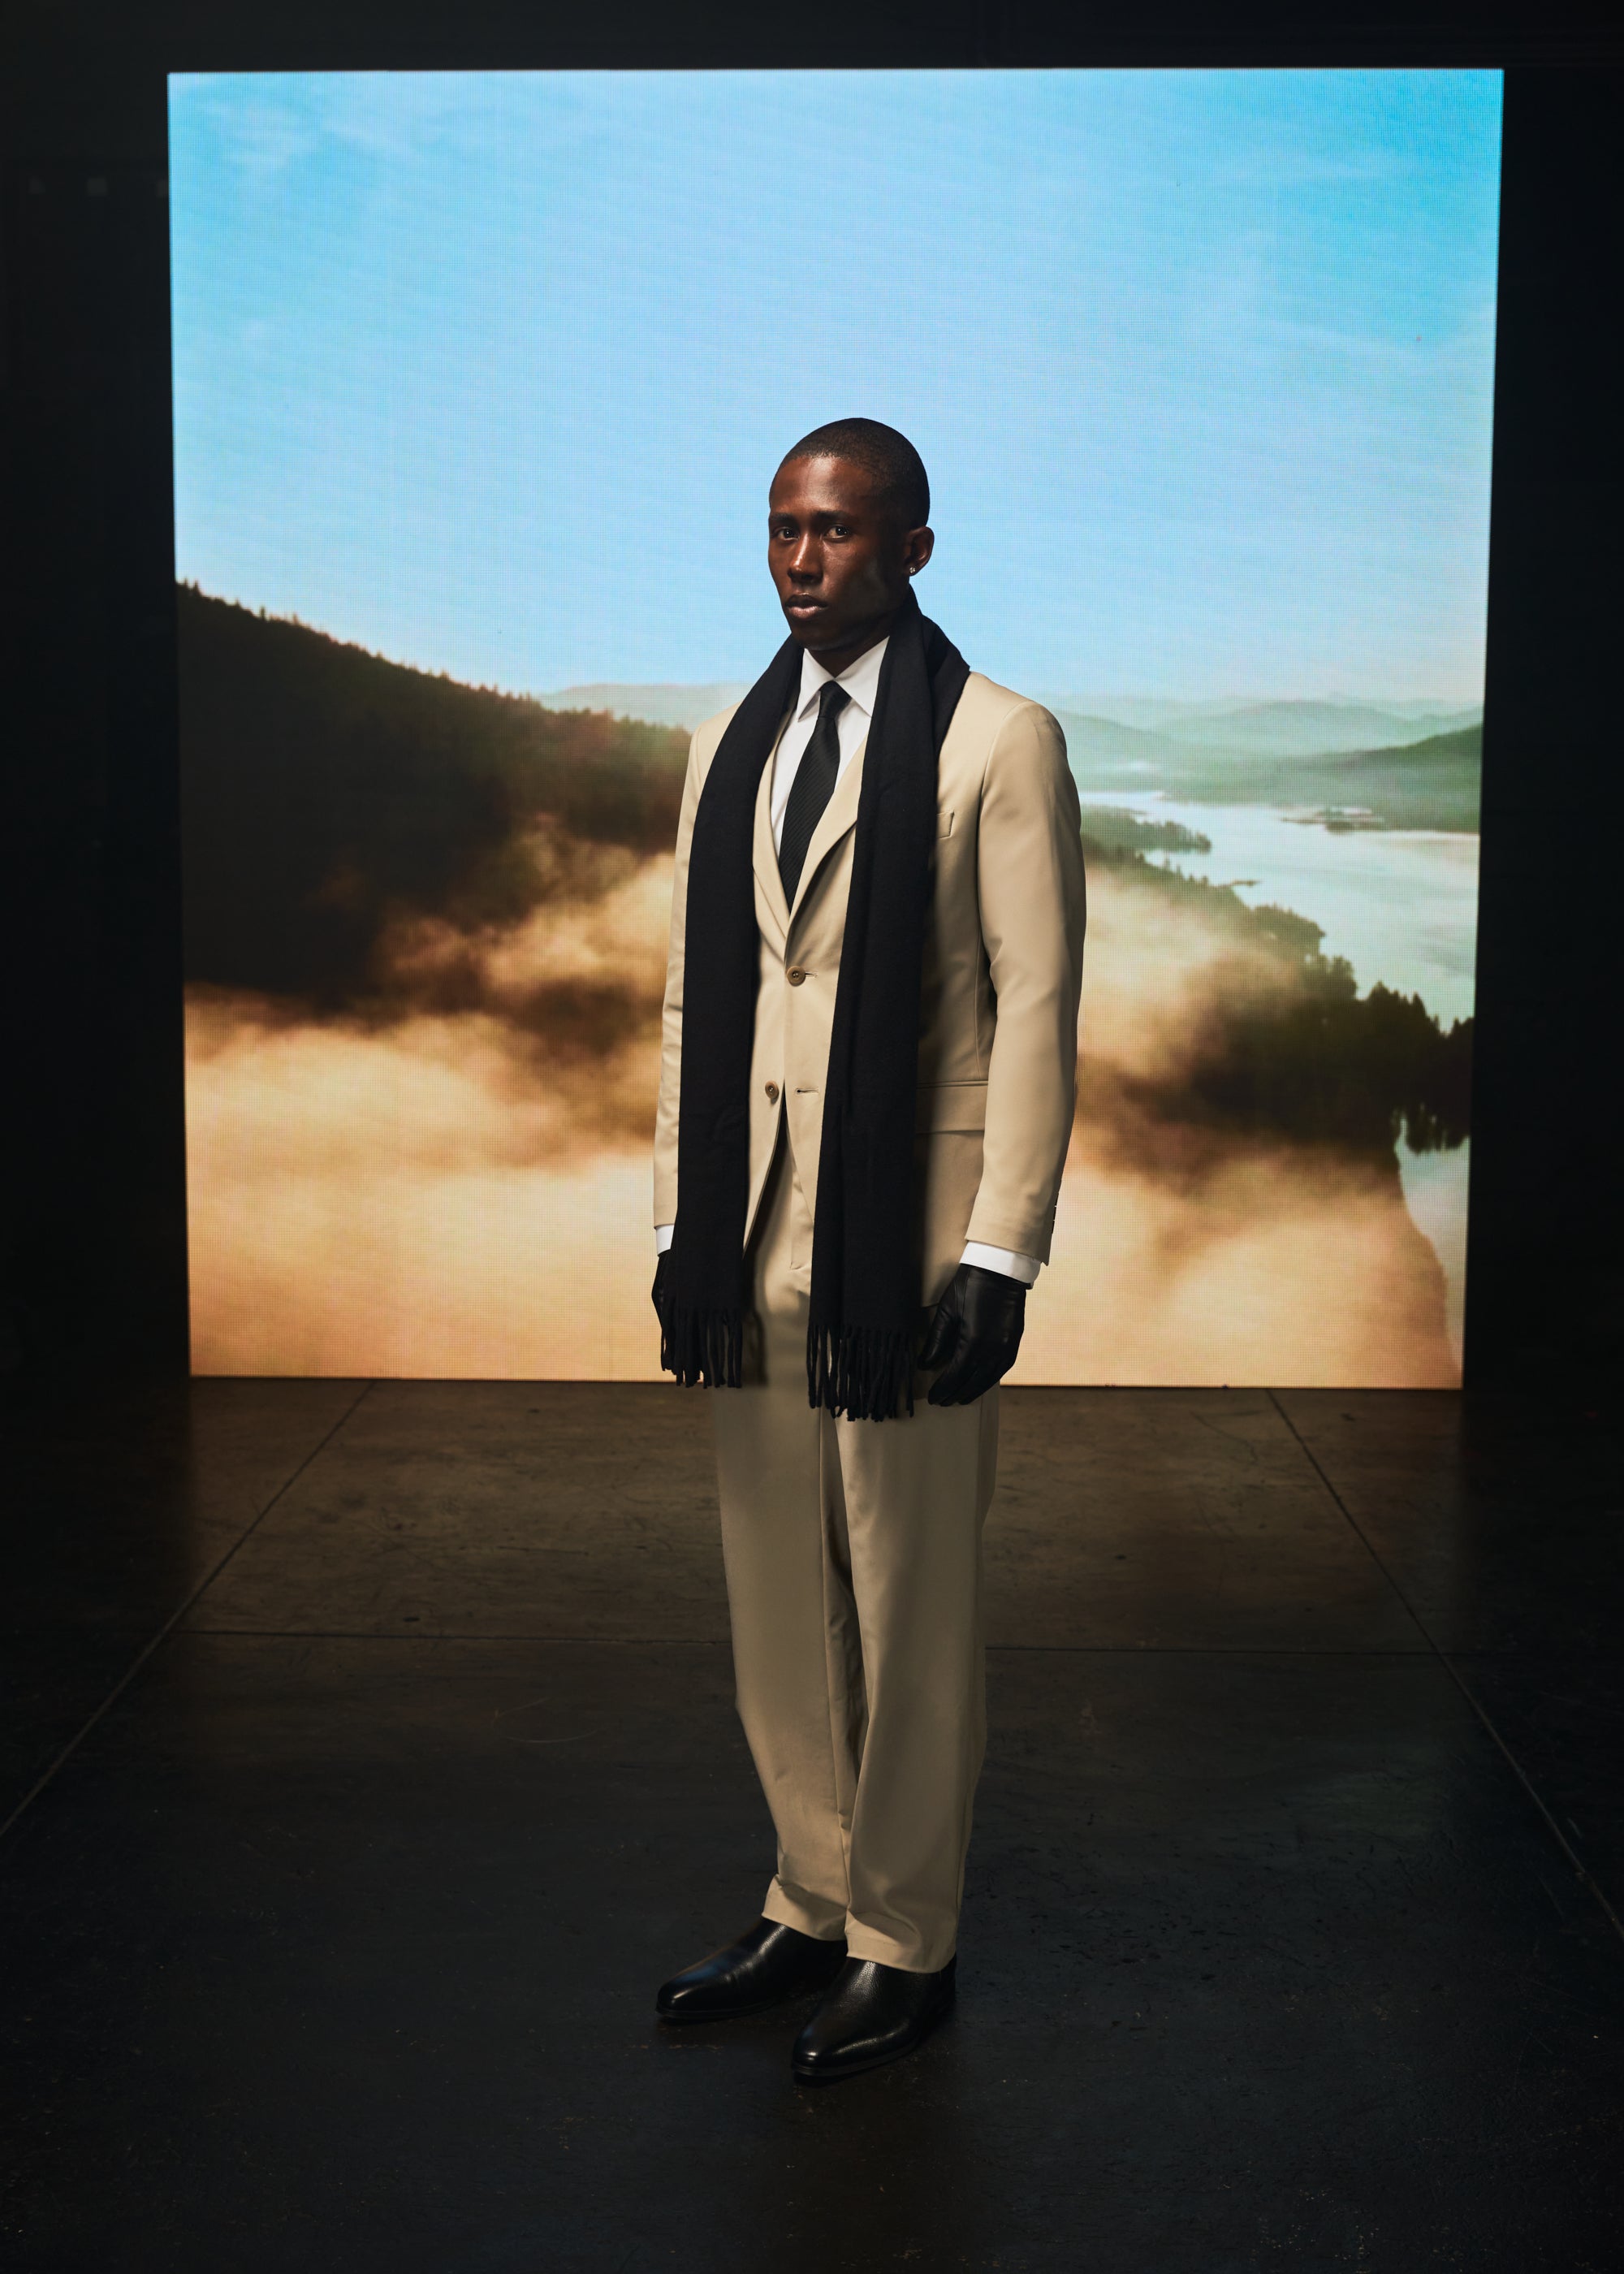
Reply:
x=1306, y=730
x=1149, y=711
x=1435, y=784
x=1091, y=741
x=328, y=792
x=673, y=705
x=1429, y=781
x=1278, y=729
x=1118, y=737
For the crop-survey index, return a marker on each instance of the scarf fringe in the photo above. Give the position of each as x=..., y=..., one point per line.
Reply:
x=703, y=1348
x=865, y=1373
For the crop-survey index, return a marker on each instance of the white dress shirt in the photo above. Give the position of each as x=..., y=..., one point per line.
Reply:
x=862, y=682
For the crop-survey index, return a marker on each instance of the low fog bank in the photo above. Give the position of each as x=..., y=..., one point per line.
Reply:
x=426, y=955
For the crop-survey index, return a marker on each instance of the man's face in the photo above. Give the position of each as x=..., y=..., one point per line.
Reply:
x=840, y=557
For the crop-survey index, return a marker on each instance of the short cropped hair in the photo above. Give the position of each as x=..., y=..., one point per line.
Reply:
x=881, y=451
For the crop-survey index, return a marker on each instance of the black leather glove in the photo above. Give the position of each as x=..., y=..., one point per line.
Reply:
x=659, y=1288
x=973, y=1335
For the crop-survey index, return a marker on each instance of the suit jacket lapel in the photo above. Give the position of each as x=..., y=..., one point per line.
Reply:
x=763, y=856
x=838, y=816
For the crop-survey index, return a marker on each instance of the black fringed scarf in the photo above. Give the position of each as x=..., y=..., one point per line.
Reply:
x=865, y=1272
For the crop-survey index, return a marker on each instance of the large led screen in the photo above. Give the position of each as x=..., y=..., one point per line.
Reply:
x=479, y=382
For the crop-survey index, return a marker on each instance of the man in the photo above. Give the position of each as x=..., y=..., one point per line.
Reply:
x=867, y=1092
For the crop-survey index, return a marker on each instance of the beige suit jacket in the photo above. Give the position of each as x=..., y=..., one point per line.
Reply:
x=1003, y=973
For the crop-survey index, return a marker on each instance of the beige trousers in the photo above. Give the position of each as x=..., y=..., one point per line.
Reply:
x=853, y=1551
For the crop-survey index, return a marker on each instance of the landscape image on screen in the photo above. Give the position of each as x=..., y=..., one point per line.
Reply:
x=480, y=379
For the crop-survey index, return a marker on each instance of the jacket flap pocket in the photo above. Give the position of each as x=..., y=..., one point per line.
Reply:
x=952, y=1105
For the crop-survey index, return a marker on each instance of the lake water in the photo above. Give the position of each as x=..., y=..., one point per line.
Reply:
x=1400, y=905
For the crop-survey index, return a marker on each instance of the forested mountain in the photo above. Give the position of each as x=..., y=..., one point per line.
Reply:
x=1313, y=1059
x=327, y=792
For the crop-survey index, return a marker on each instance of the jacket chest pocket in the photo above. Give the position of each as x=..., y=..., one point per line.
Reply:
x=945, y=823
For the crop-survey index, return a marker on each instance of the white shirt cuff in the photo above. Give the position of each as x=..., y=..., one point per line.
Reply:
x=1024, y=1268
x=661, y=1237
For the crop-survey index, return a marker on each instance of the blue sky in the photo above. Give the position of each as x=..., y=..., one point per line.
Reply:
x=490, y=372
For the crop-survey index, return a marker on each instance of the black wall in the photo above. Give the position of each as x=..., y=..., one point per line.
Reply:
x=92, y=1170
x=1546, y=1266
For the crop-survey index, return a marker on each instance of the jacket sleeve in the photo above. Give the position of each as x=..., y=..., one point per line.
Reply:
x=671, y=1043
x=1029, y=878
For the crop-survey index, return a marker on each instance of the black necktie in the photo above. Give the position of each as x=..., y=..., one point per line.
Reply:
x=813, y=787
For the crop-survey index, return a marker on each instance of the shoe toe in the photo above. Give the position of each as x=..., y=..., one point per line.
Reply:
x=764, y=1967
x=871, y=2016
x=821, y=2062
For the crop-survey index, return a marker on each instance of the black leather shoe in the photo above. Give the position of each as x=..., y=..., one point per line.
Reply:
x=873, y=2013
x=771, y=1963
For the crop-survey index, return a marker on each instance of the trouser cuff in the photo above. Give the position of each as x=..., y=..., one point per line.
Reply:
x=807, y=1914
x=913, y=1955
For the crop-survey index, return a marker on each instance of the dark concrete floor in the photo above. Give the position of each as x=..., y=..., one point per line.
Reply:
x=372, y=1757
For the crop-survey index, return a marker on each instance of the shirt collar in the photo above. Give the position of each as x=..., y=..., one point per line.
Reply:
x=860, y=680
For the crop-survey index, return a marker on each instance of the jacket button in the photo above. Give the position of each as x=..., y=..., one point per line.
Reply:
x=795, y=975
x=772, y=1093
